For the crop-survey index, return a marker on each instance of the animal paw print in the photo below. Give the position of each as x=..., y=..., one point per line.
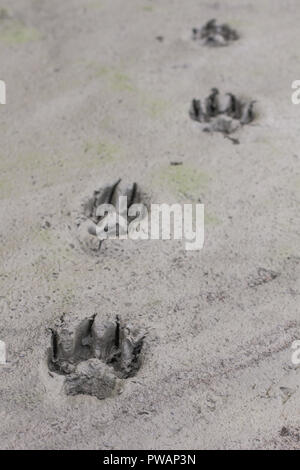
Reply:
x=214, y=35
x=222, y=114
x=96, y=356
x=91, y=223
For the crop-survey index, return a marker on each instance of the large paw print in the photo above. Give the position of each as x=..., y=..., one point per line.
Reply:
x=215, y=35
x=96, y=356
x=222, y=114
x=87, y=223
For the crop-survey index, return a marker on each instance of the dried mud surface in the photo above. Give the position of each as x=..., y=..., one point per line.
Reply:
x=98, y=90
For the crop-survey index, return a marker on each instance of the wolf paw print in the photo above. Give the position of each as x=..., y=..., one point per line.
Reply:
x=96, y=356
x=222, y=114
x=215, y=35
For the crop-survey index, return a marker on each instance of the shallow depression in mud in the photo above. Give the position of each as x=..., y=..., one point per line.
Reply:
x=95, y=356
x=94, y=221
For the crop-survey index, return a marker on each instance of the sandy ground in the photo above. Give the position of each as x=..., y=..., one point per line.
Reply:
x=92, y=96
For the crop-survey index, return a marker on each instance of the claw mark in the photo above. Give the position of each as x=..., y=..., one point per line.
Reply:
x=112, y=191
x=196, y=111
x=117, y=335
x=133, y=195
x=248, y=113
x=212, y=103
x=234, y=108
x=91, y=322
x=54, y=341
